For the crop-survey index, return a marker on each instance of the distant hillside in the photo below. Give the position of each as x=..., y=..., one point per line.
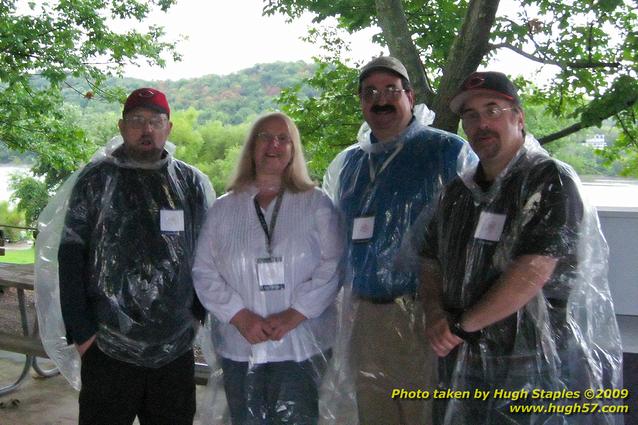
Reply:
x=230, y=99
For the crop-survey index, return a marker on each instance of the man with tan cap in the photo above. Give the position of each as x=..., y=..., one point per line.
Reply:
x=514, y=278
x=125, y=261
x=381, y=184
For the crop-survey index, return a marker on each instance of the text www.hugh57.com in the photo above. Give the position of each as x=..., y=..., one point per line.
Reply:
x=569, y=409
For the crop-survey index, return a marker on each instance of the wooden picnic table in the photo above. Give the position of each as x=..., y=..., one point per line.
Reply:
x=17, y=276
x=22, y=277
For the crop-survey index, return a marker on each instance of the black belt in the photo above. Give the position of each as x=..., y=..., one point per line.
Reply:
x=379, y=300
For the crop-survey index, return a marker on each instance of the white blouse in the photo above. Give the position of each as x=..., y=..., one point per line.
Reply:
x=309, y=239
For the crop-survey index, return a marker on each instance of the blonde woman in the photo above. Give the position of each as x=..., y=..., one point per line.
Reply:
x=267, y=268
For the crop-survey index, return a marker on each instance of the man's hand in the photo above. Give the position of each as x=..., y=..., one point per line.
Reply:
x=82, y=348
x=437, y=327
x=252, y=326
x=284, y=322
x=441, y=338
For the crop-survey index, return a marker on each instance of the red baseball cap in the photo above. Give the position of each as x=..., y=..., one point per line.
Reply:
x=147, y=98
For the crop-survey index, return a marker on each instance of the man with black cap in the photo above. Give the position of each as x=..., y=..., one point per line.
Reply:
x=125, y=261
x=514, y=278
x=381, y=184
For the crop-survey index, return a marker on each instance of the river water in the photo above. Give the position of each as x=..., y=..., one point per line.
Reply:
x=610, y=193
x=603, y=192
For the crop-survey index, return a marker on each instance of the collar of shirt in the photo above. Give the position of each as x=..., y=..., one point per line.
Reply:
x=376, y=147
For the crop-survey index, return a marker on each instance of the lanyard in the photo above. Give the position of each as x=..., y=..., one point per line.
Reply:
x=387, y=162
x=273, y=220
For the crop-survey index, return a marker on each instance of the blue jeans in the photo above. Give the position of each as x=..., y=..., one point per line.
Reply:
x=274, y=393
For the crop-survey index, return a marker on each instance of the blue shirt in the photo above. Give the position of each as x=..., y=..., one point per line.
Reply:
x=402, y=186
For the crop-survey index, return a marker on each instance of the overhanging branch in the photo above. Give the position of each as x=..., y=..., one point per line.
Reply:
x=579, y=126
x=562, y=65
x=632, y=140
x=560, y=134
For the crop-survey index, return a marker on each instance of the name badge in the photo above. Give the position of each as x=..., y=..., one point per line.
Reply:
x=362, y=229
x=270, y=274
x=490, y=226
x=171, y=220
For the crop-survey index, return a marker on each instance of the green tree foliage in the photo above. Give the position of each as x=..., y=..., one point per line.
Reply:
x=212, y=147
x=572, y=148
x=11, y=217
x=221, y=170
x=590, y=46
x=231, y=99
x=57, y=40
x=32, y=195
x=625, y=150
x=8, y=156
x=323, y=133
x=210, y=116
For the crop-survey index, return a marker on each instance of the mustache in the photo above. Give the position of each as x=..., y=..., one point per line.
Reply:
x=486, y=133
x=383, y=108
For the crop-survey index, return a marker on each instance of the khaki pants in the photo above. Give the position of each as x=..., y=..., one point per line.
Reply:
x=390, y=351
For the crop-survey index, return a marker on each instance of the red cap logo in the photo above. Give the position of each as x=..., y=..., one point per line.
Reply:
x=147, y=98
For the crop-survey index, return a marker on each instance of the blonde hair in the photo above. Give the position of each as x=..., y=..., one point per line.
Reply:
x=295, y=178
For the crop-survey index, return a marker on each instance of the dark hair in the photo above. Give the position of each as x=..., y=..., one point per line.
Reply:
x=517, y=107
x=406, y=84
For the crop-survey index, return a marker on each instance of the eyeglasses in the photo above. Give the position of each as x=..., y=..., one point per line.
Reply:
x=282, y=138
x=491, y=113
x=371, y=95
x=138, y=122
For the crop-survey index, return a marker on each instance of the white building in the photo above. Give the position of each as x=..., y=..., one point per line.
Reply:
x=596, y=142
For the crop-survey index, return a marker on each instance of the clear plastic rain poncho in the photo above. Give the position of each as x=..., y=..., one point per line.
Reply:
x=137, y=226
x=392, y=181
x=381, y=188
x=564, y=341
x=236, y=268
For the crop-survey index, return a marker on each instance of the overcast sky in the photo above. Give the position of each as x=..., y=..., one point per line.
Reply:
x=227, y=36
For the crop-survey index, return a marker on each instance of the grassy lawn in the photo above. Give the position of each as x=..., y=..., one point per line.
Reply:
x=18, y=256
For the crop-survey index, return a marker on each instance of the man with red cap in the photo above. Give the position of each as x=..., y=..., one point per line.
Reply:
x=514, y=279
x=125, y=261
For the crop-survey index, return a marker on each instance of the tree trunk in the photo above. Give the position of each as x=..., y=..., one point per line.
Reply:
x=393, y=23
x=466, y=54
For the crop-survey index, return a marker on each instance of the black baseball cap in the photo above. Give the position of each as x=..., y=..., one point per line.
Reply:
x=486, y=83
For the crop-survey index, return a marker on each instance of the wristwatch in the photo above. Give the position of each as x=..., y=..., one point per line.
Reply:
x=456, y=329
